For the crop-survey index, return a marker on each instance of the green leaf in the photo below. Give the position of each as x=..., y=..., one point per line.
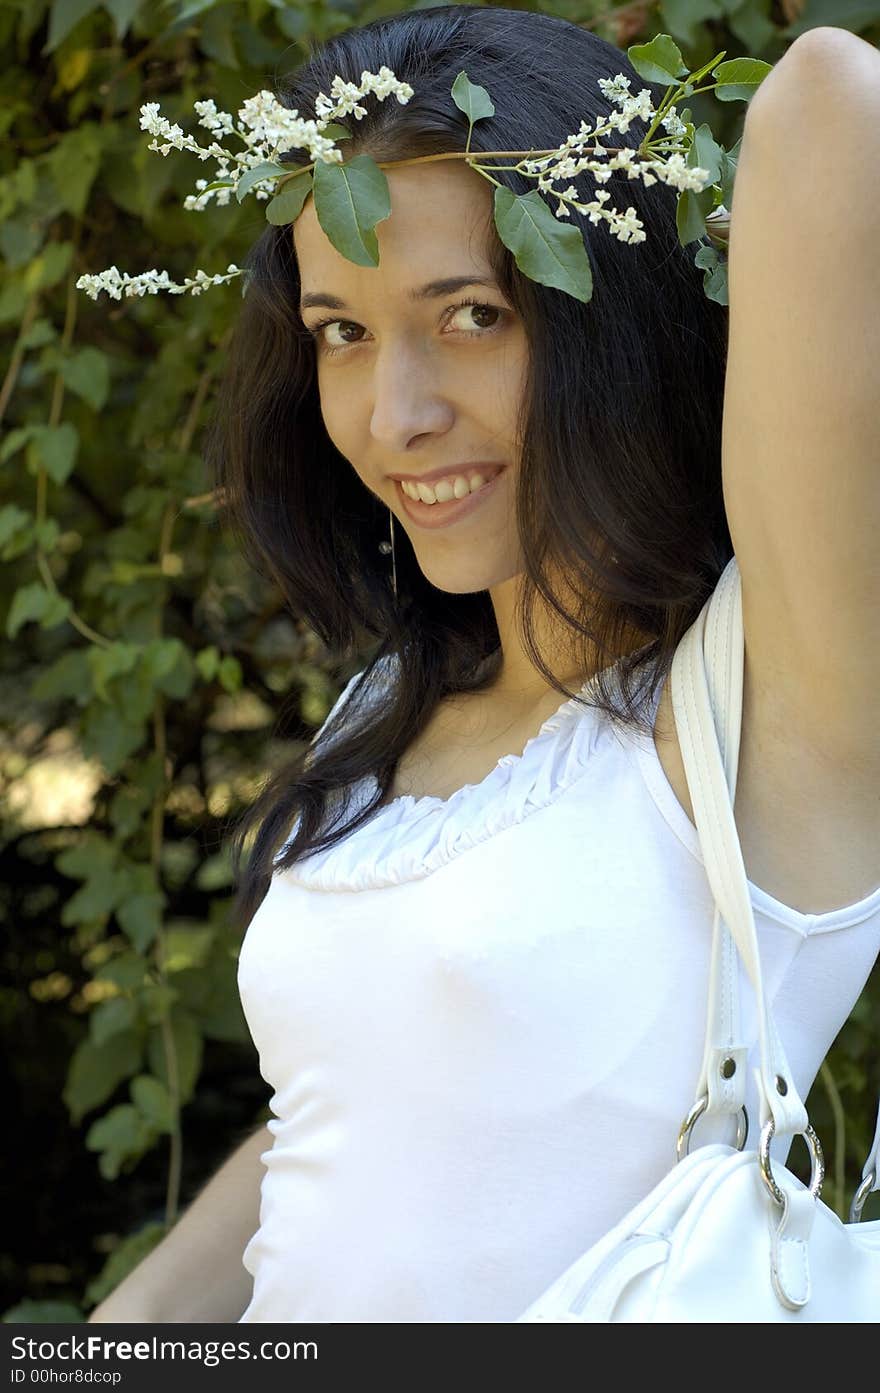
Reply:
x=129, y=572
x=287, y=205
x=127, y=970
x=350, y=199
x=169, y=665
x=186, y=945
x=127, y=809
x=474, y=101
x=41, y=332
x=685, y=17
x=35, y=602
x=847, y=14
x=739, y=78
x=109, y=1017
x=64, y=16
x=139, y=909
x=123, y=1134
x=46, y=534
x=191, y=8
x=546, y=250
x=74, y=163
x=93, y=855
x=207, y=660
x=126, y=1256
x=157, y=999
x=230, y=673
x=16, y=439
x=334, y=130
x=706, y=153
x=20, y=239
x=659, y=61
x=110, y=736
x=729, y=161
x=153, y=1101
x=68, y=676
x=13, y=300
x=48, y=268
x=122, y=12
x=255, y=174
x=96, y=899
x=13, y=520
x=87, y=373
x=215, y=36
x=751, y=24
x=54, y=448
x=216, y=872
x=715, y=279
x=107, y=663
x=16, y=546
x=96, y=1071
x=690, y=222
x=188, y=1046
x=55, y=611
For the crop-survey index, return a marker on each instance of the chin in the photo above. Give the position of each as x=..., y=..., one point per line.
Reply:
x=467, y=580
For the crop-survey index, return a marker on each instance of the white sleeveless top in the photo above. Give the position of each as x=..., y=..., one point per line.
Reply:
x=483, y=1019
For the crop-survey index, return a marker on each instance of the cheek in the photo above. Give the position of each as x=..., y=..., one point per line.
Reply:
x=339, y=412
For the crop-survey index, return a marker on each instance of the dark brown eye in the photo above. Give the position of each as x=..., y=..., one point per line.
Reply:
x=346, y=324
x=320, y=333
x=473, y=317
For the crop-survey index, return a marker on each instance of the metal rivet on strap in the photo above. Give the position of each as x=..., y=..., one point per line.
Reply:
x=781, y=1086
x=728, y=1068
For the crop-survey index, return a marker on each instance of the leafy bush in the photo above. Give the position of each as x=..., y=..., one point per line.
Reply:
x=151, y=680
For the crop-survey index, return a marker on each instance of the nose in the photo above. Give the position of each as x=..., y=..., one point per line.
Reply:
x=409, y=397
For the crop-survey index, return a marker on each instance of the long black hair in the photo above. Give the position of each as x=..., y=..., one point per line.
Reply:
x=620, y=427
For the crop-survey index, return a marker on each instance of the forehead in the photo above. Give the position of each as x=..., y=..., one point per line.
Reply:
x=440, y=222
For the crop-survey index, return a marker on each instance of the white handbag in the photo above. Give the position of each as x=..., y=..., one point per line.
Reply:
x=724, y=1236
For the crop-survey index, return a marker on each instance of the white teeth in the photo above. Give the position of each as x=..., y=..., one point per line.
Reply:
x=444, y=490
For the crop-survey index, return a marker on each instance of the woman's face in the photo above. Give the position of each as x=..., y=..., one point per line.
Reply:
x=415, y=383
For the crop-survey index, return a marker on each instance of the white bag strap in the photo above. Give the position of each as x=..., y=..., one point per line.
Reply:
x=707, y=677
x=713, y=813
x=721, y=1087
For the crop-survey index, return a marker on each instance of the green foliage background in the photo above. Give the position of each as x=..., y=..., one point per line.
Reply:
x=150, y=680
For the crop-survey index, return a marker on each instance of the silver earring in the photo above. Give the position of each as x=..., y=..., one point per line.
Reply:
x=385, y=547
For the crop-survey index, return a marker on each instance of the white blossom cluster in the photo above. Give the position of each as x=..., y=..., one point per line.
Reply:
x=267, y=129
x=265, y=126
x=563, y=164
x=382, y=84
x=117, y=282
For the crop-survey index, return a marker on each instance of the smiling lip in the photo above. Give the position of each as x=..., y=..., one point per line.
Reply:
x=451, y=470
x=434, y=515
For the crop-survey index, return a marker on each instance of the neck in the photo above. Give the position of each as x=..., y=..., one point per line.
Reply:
x=519, y=681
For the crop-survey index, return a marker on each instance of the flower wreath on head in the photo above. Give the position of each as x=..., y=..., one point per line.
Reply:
x=352, y=196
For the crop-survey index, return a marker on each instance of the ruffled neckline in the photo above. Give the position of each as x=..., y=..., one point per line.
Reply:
x=413, y=835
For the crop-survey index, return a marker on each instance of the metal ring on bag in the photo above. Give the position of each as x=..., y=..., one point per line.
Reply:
x=682, y=1146
x=817, y=1161
x=860, y=1197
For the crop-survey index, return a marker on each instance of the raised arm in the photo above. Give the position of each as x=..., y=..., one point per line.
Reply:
x=196, y=1273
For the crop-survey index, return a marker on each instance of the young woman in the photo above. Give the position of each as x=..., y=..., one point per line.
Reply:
x=478, y=924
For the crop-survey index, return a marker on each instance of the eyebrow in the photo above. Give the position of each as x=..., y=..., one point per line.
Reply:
x=433, y=290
